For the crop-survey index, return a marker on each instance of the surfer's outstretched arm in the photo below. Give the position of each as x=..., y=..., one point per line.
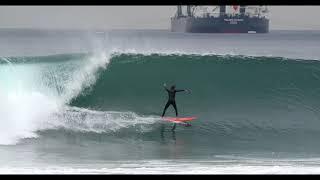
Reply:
x=181, y=90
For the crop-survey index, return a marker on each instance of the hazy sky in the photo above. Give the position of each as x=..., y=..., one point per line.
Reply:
x=134, y=17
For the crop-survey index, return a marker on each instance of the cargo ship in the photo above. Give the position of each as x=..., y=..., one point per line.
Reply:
x=221, y=19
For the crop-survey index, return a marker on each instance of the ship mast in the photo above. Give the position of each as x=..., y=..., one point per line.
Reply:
x=222, y=10
x=189, y=11
x=179, y=11
x=242, y=9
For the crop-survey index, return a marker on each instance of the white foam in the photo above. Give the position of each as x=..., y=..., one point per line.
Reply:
x=169, y=167
x=27, y=103
x=84, y=76
x=84, y=120
x=21, y=113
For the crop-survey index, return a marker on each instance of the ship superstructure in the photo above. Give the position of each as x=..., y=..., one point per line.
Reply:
x=221, y=19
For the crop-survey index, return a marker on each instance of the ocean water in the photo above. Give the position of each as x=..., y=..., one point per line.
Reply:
x=90, y=102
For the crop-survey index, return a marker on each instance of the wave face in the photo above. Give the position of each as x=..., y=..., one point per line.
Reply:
x=243, y=103
x=257, y=101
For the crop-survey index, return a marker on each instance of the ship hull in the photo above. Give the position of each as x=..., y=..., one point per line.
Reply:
x=226, y=24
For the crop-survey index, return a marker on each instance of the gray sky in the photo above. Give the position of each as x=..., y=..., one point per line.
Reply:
x=134, y=17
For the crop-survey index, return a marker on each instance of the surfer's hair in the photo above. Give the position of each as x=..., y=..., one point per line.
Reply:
x=173, y=86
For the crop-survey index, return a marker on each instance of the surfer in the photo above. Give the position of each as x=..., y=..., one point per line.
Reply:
x=171, y=101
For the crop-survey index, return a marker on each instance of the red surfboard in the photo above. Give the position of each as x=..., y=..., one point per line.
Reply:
x=179, y=119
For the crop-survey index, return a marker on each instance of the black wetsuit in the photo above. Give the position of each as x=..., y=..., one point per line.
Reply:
x=171, y=100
